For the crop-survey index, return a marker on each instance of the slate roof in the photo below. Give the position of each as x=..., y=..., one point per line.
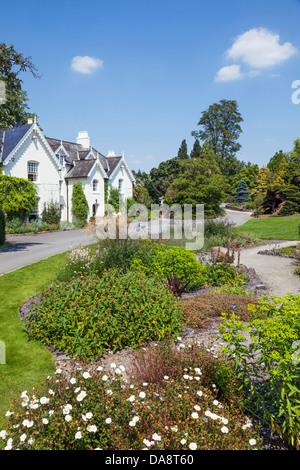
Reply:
x=81, y=169
x=10, y=138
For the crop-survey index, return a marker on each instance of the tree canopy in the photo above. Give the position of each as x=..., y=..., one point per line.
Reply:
x=14, y=111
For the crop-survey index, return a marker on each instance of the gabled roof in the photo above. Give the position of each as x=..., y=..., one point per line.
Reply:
x=10, y=138
x=81, y=169
x=113, y=163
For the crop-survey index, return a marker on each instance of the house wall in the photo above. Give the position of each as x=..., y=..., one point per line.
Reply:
x=127, y=187
x=91, y=196
x=48, y=174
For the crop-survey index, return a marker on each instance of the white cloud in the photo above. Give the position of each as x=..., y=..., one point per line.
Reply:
x=229, y=73
x=260, y=48
x=86, y=64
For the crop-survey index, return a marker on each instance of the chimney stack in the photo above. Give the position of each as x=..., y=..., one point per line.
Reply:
x=83, y=139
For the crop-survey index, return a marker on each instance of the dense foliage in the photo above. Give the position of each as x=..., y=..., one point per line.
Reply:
x=79, y=203
x=89, y=315
x=51, y=213
x=271, y=357
x=17, y=196
x=2, y=227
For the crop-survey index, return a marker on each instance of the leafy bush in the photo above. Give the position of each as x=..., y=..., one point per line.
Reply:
x=51, y=213
x=2, y=227
x=164, y=261
x=89, y=315
x=79, y=203
x=220, y=274
x=99, y=410
x=269, y=365
x=203, y=308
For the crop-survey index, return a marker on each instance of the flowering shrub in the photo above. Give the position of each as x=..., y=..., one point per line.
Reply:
x=88, y=315
x=220, y=274
x=272, y=357
x=80, y=261
x=102, y=411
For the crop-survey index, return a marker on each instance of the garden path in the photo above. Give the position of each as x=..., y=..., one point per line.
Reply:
x=275, y=272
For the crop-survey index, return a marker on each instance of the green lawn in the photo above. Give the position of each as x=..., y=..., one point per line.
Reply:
x=28, y=363
x=272, y=228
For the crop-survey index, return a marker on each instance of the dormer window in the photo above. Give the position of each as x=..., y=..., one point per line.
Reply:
x=32, y=171
x=95, y=186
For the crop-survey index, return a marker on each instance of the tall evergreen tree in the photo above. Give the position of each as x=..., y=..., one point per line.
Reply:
x=242, y=193
x=183, y=151
x=196, y=152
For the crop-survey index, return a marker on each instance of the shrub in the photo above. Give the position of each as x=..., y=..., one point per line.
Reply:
x=164, y=261
x=203, y=308
x=219, y=274
x=268, y=365
x=88, y=315
x=2, y=227
x=96, y=410
x=79, y=203
x=51, y=213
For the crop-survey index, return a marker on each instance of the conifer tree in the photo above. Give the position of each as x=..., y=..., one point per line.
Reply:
x=196, y=152
x=183, y=151
x=242, y=193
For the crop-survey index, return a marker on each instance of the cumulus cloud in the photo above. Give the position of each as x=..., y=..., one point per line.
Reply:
x=229, y=73
x=86, y=64
x=260, y=48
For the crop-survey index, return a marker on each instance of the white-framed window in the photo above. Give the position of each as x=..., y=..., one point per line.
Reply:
x=95, y=186
x=32, y=171
x=120, y=185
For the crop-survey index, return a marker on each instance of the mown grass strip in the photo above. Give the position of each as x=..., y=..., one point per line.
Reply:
x=28, y=362
x=272, y=228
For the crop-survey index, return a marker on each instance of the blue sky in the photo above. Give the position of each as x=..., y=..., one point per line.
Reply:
x=157, y=66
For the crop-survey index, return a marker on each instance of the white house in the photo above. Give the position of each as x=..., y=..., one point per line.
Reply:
x=56, y=165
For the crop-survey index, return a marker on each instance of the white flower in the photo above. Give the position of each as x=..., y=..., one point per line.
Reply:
x=92, y=428
x=104, y=378
x=193, y=446
x=9, y=413
x=118, y=371
x=24, y=394
x=3, y=434
x=200, y=393
x=68, y=418
x=44, y=400
x=108, y=420
x=113, y=365
x=174, y=428
x=78, y=435
x=27, y=423
x=131, y=398
x=89, y=415
x=77, y=390
x=195, y=415
x=252, y=442
x=135, y=419
x=224, y=429
x=142, y=394
x=99, y=368
x=122, y=368
x=166, y=377
x=145, y=384
x=51, y=412
x=30, y=440
x=197, y=408
x=23, y=437
x=81, y=396
x=45, y=421
x=86, y=375
x=51, y=392
x=58, y=371
x=156, y=437
x=132, y=423
x=147, y=442
x=72, y=380
x=109, y=392
x=183, y=441
x=224, y=420
x=215, y=402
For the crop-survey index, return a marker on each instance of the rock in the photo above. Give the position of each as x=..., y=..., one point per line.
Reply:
x=219, y=253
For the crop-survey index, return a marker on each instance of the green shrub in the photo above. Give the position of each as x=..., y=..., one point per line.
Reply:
x=51, y=213
x=99, y=410
x=79, y=203
x=88, y=315
x=220, y=274
x=269, y=365
x=2, y=227
x=162, y=262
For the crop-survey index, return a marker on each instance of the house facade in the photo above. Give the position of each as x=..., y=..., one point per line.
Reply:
x=55, y=165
